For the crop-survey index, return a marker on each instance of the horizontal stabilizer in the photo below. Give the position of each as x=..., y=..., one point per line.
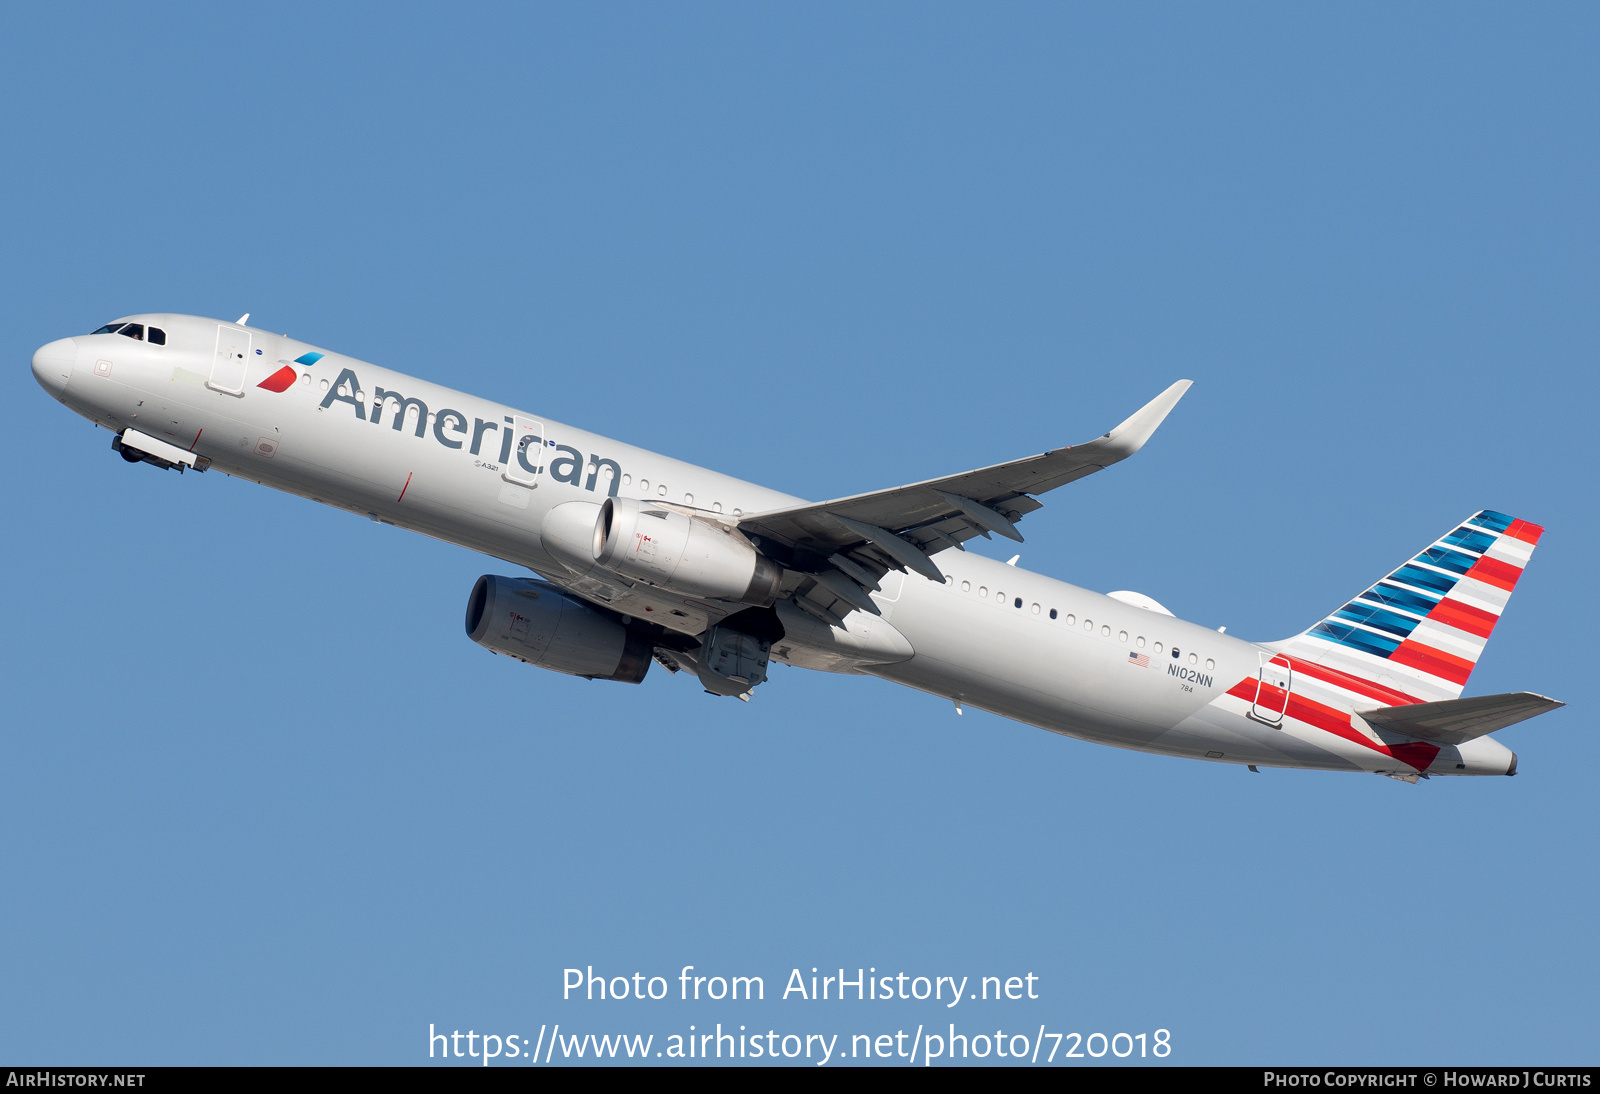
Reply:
x=1456, y=721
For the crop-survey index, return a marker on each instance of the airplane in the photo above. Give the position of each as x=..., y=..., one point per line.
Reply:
x=639, y=559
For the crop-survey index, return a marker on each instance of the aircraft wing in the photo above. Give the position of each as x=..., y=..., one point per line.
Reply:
x=1457, y=721
x=856, y=540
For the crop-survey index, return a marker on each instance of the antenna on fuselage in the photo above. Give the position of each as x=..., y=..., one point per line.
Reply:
x=243, y=319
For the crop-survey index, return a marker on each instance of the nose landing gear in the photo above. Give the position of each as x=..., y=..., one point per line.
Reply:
x=135, y=447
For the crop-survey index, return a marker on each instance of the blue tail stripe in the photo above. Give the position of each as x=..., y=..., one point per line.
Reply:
x=1446, y=559
x=1366, y=641
x=1380, y=618
x=1467, y=539
x=1395, y=596
x=1490, y=519
x=1424, y=579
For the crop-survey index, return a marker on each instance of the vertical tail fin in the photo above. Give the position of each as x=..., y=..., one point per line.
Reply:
x=1420, y=630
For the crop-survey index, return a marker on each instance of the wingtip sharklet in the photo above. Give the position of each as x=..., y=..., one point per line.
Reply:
x=1129, y=437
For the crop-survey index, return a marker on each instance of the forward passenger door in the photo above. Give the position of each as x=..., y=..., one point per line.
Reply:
x=231, y=362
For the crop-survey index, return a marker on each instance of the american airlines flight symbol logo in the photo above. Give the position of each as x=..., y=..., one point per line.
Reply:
x=284, y=378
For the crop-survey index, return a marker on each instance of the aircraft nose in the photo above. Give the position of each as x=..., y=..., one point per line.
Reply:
x=52, y=364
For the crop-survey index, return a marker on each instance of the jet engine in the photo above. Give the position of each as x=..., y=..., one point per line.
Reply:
x=682, y=554
x=539, y=624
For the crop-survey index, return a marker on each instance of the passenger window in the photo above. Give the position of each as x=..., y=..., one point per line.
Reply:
x=1019, y=602
x=1036, y=609
x=1052, y=613
x=1175, y=652
x=1158, y=647
x=1105, y=632
x=133, y=330
x=1088, y=624
x=1071, y=619
x=966, y=586
x=1210, y=664
x=1193, y=659
x=157, y=336
x=1122, y=636
x=983, y=590
x=1140, y=642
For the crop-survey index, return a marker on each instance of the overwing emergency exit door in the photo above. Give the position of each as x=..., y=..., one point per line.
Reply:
x=525, y=462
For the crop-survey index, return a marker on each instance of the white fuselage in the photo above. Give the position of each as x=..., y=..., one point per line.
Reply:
x=1066, y=660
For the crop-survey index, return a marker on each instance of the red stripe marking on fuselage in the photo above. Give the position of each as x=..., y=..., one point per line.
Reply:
x=1415, y=754
x=1446, y=666
x=1491, y=571
x=404, y=488
x=196, y=439
x=1464, y=617
x=1527, y=533
x=1353, y=683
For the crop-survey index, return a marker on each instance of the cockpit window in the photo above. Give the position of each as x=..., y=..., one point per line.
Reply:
x=133, y=330
x=157, y=336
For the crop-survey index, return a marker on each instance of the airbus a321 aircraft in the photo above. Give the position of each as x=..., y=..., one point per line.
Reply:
x=645, y=558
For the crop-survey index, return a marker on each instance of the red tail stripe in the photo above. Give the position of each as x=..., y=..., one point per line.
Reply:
x=1446, y=666
x=1326, y=718
x=1353, y=683
x=1494, y=572
x=1415, y=754
x=1527, y=533
x=1464, y=617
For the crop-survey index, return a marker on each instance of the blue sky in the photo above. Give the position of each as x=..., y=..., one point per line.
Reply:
x=264, y=802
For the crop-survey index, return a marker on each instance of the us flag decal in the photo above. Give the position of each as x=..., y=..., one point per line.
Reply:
x=1140, y=659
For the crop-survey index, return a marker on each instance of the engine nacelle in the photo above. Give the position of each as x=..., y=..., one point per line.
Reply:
x=568, y=534
x=676, y=552
x=540, y=625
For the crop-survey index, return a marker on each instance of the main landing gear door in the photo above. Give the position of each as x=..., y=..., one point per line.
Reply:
x=526, y=460
x=231, y=360
x=1273, y=685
